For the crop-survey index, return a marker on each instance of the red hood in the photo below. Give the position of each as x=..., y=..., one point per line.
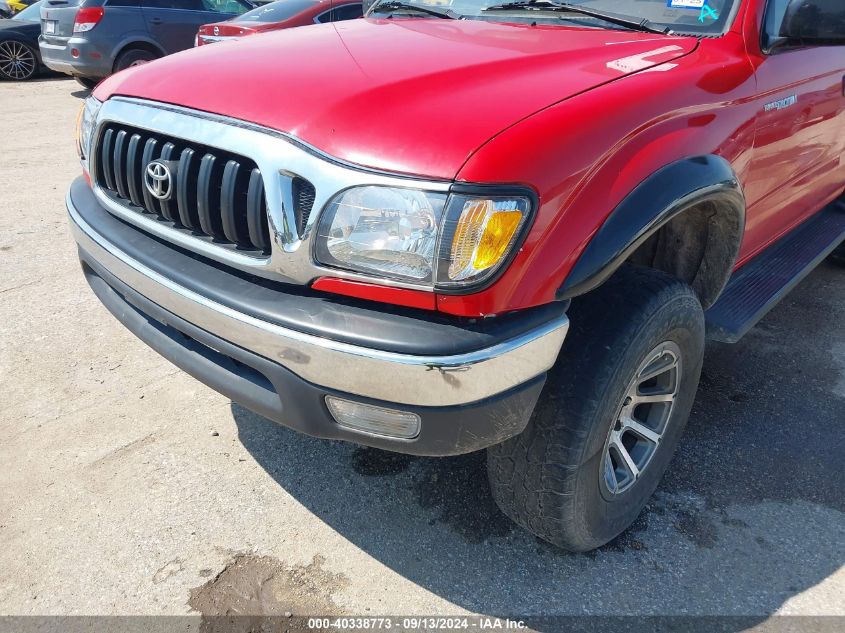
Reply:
x=408, y=95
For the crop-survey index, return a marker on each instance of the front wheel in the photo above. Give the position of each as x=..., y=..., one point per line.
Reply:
x=611, y=415
x=18, y=61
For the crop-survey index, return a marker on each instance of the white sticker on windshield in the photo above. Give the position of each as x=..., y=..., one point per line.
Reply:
x=685, y=4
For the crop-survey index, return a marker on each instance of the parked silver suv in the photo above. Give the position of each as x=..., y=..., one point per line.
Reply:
x=91, y=39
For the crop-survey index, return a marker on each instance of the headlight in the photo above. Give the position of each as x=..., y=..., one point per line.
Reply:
x=382, y=230
x=420, y=237
x=85, y=123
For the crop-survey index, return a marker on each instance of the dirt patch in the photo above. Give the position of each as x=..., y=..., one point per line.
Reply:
x=166, y=571
x=696, y=527
x=251, y=588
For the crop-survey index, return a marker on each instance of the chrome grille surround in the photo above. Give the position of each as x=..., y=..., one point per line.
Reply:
x=280, y=158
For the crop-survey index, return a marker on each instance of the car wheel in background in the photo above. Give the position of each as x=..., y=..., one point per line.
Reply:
x=87, y=82
x=133, y=57
x=611, y=415
x=17, y=61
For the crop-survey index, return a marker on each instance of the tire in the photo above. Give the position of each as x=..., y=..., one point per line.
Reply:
x=87, y=82
x=18, y=61
x=562, y=478
x=133, y=57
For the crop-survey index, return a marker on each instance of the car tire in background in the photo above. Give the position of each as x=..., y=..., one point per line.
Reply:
x=87, y=82
x=18, y=60
x=133, y=57
x=611, y=415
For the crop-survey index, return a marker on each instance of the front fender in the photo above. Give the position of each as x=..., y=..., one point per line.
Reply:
x=587, y=155
x=661, y=197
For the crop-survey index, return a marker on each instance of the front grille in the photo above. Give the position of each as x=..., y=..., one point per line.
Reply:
x=303, y=201
x=216, y=195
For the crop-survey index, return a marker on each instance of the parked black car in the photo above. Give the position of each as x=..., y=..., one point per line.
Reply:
x=91, y=39
x=19, y=55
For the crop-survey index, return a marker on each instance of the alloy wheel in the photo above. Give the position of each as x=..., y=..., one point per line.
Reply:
x=17, y=61
x=642, y=419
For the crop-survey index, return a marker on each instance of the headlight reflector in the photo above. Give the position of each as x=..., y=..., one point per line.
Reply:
x=85, y=124
x=385, y=231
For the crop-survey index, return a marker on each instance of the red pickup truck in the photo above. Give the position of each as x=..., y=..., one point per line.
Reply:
x=452, y=227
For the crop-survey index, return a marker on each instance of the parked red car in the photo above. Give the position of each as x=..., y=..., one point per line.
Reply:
x=509, y=226
x=282, y=14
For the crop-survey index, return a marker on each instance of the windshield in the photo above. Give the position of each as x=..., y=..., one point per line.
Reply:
x=701, y=17
x=276, y=11
x=31, y=14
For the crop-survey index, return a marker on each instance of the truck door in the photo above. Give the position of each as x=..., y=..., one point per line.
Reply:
x=800, y=134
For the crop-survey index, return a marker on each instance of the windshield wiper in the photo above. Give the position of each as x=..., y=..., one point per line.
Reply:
x=396, y=5
x=644, y=25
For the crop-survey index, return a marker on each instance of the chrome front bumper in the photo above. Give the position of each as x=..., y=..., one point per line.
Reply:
x=429, y=381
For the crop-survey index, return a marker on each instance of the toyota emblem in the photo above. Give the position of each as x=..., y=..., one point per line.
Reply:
x=158, y=180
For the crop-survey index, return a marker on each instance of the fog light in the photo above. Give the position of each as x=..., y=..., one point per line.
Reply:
x=74, y=52
x=375, y=420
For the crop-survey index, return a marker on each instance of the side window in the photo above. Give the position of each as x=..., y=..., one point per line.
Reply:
x=347, y=12
x=324, y=17
x=775, y=12
x=225, y=6
x=185, y=5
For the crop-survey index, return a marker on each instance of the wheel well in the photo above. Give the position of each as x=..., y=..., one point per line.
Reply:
x=698, y=245
x=138, y=46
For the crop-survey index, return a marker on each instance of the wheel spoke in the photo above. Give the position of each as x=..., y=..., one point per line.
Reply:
x=641, y=429
x=610, y=474
x=652, y=398
x=652, y=371
x=625, y=456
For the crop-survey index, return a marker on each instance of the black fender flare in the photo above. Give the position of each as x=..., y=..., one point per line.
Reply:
x=661, y=197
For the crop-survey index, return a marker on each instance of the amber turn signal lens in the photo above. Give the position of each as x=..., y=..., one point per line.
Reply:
x=485, y=231
x=498, y=233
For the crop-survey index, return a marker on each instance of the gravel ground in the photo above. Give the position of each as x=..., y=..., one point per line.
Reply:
x=127, y=487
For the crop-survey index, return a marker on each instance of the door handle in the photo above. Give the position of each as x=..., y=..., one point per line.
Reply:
x=156, y=21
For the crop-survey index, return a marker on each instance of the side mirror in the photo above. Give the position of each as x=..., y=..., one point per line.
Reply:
x=814, y=22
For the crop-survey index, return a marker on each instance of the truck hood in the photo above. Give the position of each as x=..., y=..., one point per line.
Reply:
x=416, y=96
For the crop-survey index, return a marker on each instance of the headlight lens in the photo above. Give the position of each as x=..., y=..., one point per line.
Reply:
x=385, y=231
x=85, y=125
x=421, y=237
